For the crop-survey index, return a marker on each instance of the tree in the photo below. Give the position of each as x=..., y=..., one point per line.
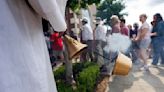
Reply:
x=110, y=7
x=75, y=6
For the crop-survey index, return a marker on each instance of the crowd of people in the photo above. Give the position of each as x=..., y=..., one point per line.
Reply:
x=147, y=41
x=149, y=38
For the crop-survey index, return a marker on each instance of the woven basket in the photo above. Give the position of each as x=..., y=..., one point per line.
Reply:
x=122, y=65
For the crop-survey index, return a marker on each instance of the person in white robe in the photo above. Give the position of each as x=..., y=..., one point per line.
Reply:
x=24, y=61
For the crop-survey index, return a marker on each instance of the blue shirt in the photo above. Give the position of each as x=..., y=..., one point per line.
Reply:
x=159, y=29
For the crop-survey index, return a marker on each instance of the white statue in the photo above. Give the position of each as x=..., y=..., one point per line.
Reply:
x=24, y=60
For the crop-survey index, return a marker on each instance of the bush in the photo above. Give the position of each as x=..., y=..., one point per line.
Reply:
x=87, y=79
x=59, y=76
x=59, y=73
x=63, y=87
x=85, y=75
x=78, y=67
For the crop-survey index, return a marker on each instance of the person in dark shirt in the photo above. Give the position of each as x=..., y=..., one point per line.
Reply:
x=133, y=32
x=134, y=46
x=130, y=29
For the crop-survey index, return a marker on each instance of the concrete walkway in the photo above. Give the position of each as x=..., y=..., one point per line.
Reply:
x=139, y=81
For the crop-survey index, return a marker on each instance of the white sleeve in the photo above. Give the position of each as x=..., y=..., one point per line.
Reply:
x=89, y=32
x=145, y=26
x=53, y=11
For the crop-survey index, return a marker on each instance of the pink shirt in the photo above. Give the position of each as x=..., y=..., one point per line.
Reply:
x=125, y=31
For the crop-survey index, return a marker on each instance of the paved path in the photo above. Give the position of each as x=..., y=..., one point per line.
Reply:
x=139, y=81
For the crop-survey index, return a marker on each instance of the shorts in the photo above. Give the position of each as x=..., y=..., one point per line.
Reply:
x=144, y=43
x=57, y=53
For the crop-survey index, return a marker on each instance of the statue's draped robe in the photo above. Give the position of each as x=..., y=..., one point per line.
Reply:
x=24, y=60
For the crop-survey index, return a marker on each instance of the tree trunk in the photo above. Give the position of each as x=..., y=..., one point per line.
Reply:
x=68, y=63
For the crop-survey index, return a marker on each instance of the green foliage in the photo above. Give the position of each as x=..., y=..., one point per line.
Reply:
x=111, y=7
x=59, y=73
x=62, y=87
x=76, y=5
x=85, y=74
x=78, y=67
x=87, y=78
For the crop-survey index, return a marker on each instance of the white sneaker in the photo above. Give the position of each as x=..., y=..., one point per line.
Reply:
x=144, y=68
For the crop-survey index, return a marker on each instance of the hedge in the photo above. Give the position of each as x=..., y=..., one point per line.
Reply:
x=85, y=74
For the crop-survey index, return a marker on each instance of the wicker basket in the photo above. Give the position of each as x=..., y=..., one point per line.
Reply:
x=122, y=65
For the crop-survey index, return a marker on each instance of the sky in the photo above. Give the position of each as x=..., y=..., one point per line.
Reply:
x=136, y=7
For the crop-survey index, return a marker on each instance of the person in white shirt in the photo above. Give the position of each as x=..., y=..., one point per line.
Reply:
x=143, y=38
x=87, y=38
x=100, y=41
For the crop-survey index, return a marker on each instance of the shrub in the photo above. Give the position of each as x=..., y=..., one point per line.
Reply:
x=85, y=74
x=63, y=87
x=59, y=73
x=87, y=78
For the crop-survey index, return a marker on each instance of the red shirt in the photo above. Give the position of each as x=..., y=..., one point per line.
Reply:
x=125, y=31
x=57, y=41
